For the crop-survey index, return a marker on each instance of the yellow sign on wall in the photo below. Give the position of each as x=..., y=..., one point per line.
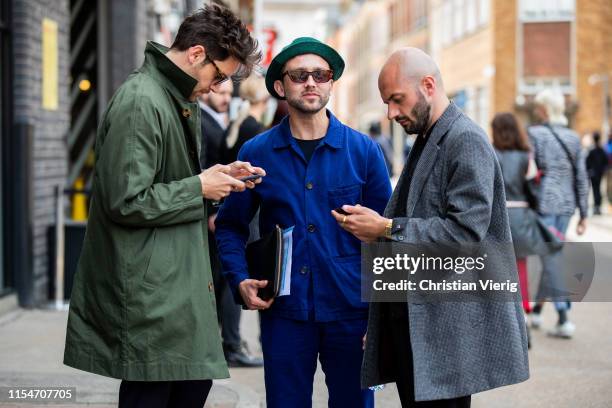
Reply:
x=50, y=75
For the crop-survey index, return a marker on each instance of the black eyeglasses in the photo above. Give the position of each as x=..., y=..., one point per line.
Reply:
x=220, y=77
x=300, y=76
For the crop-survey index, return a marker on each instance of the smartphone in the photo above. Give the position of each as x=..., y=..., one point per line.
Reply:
x=339, y=210
x=250, y=178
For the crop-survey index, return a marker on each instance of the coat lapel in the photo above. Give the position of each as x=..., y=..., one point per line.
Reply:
x=421, y=172
x=392, y=205
x=426, y=162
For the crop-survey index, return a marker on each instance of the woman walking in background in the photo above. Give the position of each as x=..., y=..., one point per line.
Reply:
x=564, y=187
x=248, y=124
x=529, y=235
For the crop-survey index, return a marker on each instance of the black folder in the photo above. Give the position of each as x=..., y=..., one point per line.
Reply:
x=264, y=260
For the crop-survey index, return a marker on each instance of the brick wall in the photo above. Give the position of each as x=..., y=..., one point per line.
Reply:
x=50, y=127
x=593, y=20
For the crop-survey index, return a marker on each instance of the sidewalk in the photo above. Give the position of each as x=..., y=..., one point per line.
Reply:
x=31, y=356
x=564, y=373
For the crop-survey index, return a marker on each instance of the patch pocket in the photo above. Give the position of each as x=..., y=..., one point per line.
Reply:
x=350, y=195
x=347, y=276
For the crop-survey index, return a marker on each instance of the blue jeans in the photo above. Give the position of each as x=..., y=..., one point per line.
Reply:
x=290, y=349
x=552, y=268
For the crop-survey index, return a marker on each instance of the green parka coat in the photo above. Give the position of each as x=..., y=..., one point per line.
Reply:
x=143, y=305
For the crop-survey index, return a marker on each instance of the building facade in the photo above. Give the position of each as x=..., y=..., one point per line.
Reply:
x=494, y=55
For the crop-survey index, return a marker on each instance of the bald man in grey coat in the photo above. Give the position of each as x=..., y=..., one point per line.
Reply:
x=450, y=191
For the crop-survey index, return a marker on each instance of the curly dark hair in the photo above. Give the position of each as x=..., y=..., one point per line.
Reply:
x=222, y=34
x=508, y=134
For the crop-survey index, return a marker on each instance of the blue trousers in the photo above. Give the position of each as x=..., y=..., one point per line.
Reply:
x=290, y=350
x=552, y=266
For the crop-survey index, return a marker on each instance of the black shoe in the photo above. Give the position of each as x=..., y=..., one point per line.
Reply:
x=596, y=211
x=239, y=357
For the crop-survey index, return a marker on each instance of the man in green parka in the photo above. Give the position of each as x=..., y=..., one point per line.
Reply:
x=143, y=307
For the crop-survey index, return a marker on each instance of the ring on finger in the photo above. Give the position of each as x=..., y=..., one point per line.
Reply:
x=343, y=219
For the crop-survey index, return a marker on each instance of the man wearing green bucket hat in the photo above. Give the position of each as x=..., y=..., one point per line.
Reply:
x=314, y=164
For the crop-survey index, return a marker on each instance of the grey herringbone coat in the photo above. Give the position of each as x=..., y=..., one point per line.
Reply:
x=456, y=195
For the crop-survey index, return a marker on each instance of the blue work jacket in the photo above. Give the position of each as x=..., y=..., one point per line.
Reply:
x=347, y=167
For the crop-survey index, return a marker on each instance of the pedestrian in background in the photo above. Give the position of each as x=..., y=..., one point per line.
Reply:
x=609, y=172
x=564, y=187
x=529, y=237
x=383, y=141
x=214, y=108
x=143, y=305
x=248, y=124
x=596, y=164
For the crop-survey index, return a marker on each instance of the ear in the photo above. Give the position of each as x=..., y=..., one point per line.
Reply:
x=429, y=85
x=196, y=54
x=279, y=88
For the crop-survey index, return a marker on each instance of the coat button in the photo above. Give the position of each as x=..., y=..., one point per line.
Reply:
x=311, y=228
x=210, y=286
x=186, y=113
x=304, y=270
x=309, y=185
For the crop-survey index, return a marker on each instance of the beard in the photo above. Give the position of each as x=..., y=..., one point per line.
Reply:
x=420, y=112
x=302, y=106
x=218, y=107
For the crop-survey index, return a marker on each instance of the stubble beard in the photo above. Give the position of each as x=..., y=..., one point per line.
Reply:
x=420, y=112
x=300, y=105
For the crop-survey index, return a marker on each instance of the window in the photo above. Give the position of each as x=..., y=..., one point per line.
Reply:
x=471, y=15
x=458, y=20
x=447, y=22
x=484, y=10
x=546, y=50
x=482, y=107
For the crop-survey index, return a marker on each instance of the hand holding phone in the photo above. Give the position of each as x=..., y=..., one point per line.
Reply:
x=339, y=210
x=252, y=177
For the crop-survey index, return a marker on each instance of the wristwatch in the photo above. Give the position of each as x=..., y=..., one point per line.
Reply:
x=389, y=229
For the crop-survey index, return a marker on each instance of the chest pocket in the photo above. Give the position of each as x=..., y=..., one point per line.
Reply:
x=350, y=195
x=346, y=243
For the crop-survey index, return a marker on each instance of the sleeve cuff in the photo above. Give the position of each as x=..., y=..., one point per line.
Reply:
x=397, y=229
x=194, y=186
x=234, y=286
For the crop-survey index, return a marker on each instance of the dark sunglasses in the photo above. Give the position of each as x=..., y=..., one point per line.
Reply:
x=300, y=76
x=220, y=77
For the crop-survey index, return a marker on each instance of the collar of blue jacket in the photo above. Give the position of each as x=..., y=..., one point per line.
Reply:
x=333, y=138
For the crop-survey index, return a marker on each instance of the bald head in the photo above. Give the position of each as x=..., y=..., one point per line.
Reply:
x=410, y=64
x=411, y=85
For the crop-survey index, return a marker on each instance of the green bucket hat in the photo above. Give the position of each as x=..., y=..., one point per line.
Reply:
x=301, y=46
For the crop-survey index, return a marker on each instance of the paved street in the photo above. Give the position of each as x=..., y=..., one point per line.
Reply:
x=564, y=373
